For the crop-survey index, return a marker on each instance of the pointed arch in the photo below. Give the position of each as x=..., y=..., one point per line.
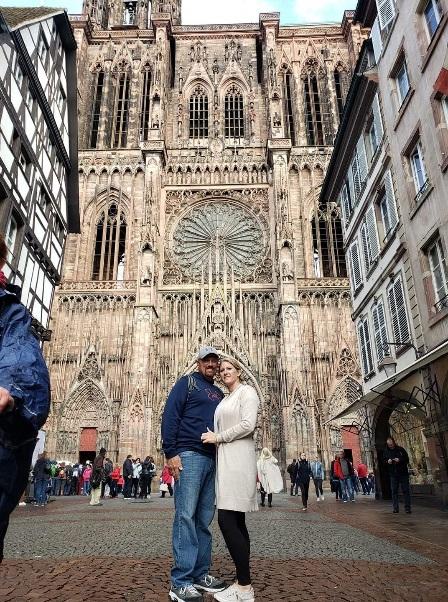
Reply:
x=328, y=243
x=199, y=112
x=346, y=392
x=288, y=93
x=319, y=129
x=110, y=243
x=145, y=104
x=234, y=122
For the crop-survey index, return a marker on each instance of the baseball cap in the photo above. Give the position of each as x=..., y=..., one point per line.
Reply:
x=204, y=351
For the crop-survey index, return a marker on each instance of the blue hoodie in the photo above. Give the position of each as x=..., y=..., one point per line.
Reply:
x=189, y=411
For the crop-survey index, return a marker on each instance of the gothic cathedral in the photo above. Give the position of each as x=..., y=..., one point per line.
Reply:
x=202, y=152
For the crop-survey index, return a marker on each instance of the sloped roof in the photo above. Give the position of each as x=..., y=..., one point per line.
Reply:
x=16, y=17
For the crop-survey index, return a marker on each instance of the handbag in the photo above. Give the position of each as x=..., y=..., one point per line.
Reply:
x=163, y=487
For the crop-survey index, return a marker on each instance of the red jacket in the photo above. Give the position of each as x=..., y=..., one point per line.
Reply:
x=115, y=474
x=166, y=477
x=337, y=469
x=362, y=471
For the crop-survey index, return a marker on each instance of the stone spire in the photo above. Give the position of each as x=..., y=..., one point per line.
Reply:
x=171, y=7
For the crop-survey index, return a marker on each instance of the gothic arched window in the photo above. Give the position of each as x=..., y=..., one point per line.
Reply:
x=199, y=113
x=96, y=109
x=122, y=101
x=234, y=114
x=145, y=109
x=319, y=130
x=288, y=105
x=341, y=87
x=110, y=244
x=328, y=244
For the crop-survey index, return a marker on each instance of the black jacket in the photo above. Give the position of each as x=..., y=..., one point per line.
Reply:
x=302, y=472
x=397, y=468
x=127, y=468
x=148, y=469
x=291, y=470
x=41, y=469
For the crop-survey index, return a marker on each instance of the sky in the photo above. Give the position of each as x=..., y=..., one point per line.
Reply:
x=232, y=11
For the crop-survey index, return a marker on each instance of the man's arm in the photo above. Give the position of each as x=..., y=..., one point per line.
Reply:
x=172, y=416
x=6, y=400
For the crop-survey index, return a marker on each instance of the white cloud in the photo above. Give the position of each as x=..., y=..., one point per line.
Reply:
x=320, y=11
x=224, y=11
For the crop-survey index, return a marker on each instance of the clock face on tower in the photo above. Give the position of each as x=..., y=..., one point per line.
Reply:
x=219, y=235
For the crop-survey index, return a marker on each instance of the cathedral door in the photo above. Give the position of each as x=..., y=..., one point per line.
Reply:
x=87, y=444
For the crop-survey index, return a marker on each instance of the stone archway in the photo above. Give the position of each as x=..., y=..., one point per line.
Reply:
x=403, y=418
x=85, y=407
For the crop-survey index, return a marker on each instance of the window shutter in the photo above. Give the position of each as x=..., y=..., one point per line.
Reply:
x=345, y=206
x=356, y=177
x=400, y=325
x=355, y=266
x=377, y=42
x=365, y=347
x=372, y=232
x=377, y=117
x=390, y=196
x=386, y=12
x=380, y=330
x=365, y=245
x=362, y=160
x=351, y=186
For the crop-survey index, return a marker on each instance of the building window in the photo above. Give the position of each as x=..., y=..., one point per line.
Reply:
x=318, y=120
x=386, y=14
x=18, y=74
x=444, y=104
x=399, y=314
x=439, y=273
x=355, y=267
x=369, y=238
x=129, y=13
x=365, y=347
x=234, y=114
x=96, y=110
x=288, y=106
x=110, y=244
x=11, y=233
x=380, y=330
x=433, y=15
x=418, y=169
x=328, y=244
x=346, y=202
x=42, y=49
x=387, y=206
x=199, y=113
x=402, y=83
x=122, y=109
x=145, y=112
x=341, y=80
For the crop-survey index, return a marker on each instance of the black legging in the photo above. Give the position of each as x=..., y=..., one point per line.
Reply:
x=236, y=536
x=304, y=487
x=263, y=497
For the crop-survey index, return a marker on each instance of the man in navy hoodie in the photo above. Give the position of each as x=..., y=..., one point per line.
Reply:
x=189, y=412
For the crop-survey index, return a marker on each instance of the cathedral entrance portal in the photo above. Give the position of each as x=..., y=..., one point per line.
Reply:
x=87, y=444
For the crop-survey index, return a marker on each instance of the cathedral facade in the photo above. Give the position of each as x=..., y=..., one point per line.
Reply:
x=202, y=153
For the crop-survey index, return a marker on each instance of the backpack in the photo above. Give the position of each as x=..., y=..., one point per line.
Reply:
x=290, y=469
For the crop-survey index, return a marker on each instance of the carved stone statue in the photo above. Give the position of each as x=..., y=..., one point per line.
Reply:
x=277, y=122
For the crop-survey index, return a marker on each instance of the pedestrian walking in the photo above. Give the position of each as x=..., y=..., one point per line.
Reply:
x=190, y=410
x=362, y=475
x=269, y=476
x=136, y=472
x=343, y=470
x=318, y=476
x=302, y=476
x=114, y=478
x=290, y=470
x=128, y=473
x=107, y=481
x=236, y=490
x=24, y=396
x=86, y=474
x=397, y=461
x=146, y=477
x=166, y=482
x=96, y=478
x=41, y=474
x=335, y=483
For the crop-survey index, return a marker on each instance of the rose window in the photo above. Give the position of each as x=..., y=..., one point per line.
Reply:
x=218, y=234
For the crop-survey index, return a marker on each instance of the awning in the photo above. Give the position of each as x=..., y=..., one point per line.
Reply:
x=387, y=383
x=441, y=85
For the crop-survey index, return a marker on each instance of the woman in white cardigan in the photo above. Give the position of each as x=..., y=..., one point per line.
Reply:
x=236, y=475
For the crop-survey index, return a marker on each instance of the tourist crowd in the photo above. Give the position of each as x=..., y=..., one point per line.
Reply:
x=133, y=479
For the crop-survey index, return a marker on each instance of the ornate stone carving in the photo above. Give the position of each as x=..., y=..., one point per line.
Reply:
x=223, y=236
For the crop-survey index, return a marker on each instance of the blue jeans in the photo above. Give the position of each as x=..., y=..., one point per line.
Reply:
x=40, y=490
x=194, y=501
x=403, y=481
x=86, y=487
x=347, y=489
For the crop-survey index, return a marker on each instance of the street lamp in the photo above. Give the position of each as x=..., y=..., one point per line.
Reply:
x=390, y=366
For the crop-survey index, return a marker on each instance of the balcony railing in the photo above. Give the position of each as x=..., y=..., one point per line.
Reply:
x=98, y=285
x=441, y=304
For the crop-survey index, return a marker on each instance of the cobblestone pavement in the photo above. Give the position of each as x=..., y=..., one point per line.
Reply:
x=71, y=552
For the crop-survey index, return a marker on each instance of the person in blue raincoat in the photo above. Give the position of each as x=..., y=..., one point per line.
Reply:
x=24, y=395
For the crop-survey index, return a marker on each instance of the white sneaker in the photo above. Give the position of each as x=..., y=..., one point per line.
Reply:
x=227, y=595
x=318, y=499
x=245, y=596
x=322, y=498
x=22, y=503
